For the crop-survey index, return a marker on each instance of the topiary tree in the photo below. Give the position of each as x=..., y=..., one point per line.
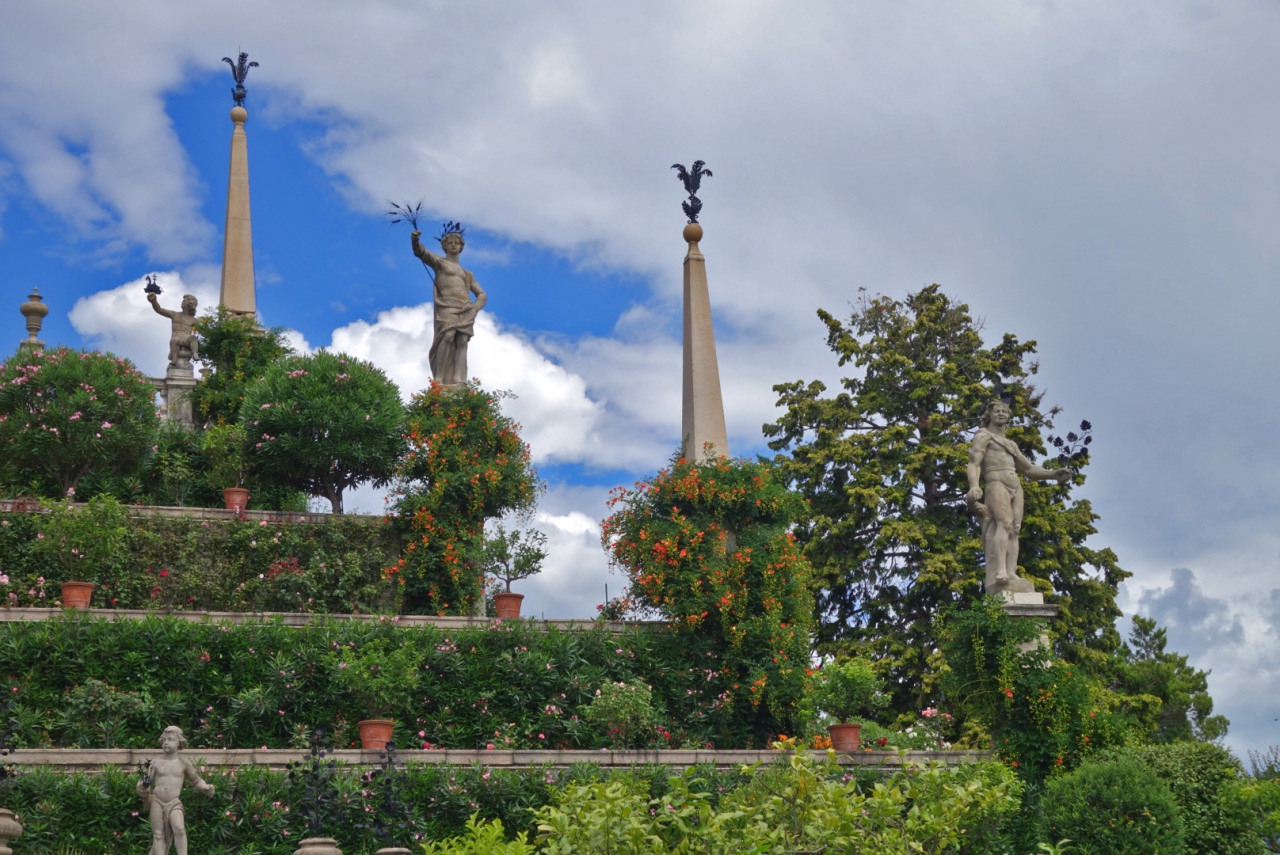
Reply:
x=65, y=413
x=322, y=424
x=240, y=351
x=1114, y=807
x=465, y=464
x=708, y=545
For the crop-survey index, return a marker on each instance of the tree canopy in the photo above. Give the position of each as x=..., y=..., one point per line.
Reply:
x=323, y=424
x=240, y=351
x=882, y=466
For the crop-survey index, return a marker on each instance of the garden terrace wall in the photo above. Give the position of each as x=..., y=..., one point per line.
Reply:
x=96, y=760
x=447, y=622
x=27, y=506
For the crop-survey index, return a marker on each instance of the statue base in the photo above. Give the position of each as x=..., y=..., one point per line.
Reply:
x=1029, y=605
x=175, y=394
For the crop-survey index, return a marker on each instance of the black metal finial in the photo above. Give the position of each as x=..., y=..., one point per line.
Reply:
x=152, y=287
x=692, y=180
x=240, y=70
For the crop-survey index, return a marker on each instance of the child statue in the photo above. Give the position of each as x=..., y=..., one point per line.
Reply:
x=161, y=800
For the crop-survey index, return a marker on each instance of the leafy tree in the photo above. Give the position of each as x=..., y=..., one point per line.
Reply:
x=323, y=423
x=465, y=464
x=65, y=413
x=511, y=556
x=882, y=466
x=1142, y=667
x=707, y=544
x=240, y=351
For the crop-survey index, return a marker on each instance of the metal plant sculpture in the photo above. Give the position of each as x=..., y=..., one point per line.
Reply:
x=152, y=287
x=240, y=70
x=406, y=213
x=692, y=180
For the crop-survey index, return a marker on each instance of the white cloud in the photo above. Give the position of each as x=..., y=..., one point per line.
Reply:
x=122, y=321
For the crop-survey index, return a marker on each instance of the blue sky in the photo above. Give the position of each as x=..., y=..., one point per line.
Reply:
x=1100, y=177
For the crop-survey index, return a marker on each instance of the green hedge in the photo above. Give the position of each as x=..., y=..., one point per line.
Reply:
x=264, y=684
x=218, y=566
x=254, y=809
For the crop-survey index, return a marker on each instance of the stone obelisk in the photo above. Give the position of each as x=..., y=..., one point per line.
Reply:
x=238, y=292
x=702, y=429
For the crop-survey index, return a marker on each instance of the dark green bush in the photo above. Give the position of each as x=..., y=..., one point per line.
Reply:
x=1204, y=779
x=252, y=809
x=508, y=685
x=1112, y=807
x=167, y=563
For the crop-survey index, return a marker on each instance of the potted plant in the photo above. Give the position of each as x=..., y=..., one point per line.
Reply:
x=845, y=689
x=315, y=795
x=224, y=446
x=83, y=540
x=509, y=556
x=378, y=677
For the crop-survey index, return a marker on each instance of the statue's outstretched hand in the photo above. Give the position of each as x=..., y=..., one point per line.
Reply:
x=1063, y=474
x=415, y=234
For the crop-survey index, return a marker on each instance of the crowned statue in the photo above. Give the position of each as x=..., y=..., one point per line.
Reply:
x=454, y=311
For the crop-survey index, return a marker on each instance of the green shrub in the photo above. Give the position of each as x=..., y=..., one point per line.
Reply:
x=378, y=674
x=506, y=685
x=166, y=563
x=81, y=542
x=1262, y=799
x=847, y=688
x=1113, y=807
x=1204, y=779
x=624, y=713
x=481, y=838
x=224, y=447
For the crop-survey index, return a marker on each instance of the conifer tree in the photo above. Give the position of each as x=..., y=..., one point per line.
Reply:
x=882, y=465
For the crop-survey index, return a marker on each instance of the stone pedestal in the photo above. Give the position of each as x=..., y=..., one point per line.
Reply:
x=175, y=394
x=1029, y=604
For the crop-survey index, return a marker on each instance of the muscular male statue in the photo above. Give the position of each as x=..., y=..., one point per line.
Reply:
x=455, y=313
x=183, y=337
x=996, y=459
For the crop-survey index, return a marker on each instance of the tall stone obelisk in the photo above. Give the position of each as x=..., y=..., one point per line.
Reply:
x=238, y=292
x=702, y=429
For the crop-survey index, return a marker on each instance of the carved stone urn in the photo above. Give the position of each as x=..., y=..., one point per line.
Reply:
x=317, y=846
x=10, y=830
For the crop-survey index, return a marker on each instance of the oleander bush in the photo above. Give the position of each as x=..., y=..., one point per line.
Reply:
x=177, y=563
x=506, y=685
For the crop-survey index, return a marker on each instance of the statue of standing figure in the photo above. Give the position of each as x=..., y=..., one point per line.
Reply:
x=183, y=344
x=995, y=459
x=162, y=799
x=454, y=311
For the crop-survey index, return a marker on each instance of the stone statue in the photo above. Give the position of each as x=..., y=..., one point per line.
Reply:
x=996, y=459
x=183, y=344
x=161, y=799
x=455, y=313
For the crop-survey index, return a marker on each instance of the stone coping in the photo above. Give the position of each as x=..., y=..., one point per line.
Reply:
x=28, y=506
x=36, y=615
x=97, y=759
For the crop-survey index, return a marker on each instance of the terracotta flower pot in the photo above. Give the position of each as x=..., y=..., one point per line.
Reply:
x=508, y=604
x=76, y=595
x=375, y=733
x=10, y=830
x=237, y=499
x=317, y=846
x=845, y=737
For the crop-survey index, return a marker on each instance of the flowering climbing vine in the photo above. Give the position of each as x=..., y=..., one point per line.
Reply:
x=708, y=545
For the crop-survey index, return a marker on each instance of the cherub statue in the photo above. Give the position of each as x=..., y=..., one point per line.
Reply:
x=455, y=313
x=996, y=459
x=161, y=800
x=183, y=344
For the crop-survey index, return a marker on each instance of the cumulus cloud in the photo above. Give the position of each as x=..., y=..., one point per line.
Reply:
x=122, y=321
x=1196, y=622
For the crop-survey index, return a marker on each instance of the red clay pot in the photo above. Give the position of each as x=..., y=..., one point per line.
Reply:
x=845, y=737
x=76, y=595
x=375, y=733
x=235, y=499
x=508, y=604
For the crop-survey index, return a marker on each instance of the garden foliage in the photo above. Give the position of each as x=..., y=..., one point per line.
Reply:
x=240, y=351
x=1113, y=807
x=65, y=413
x=882, y=465
x=506, y=686
x=708, y=546
x=323, y=424
x=465, y=464
x=168, y=563
x=847, y=688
